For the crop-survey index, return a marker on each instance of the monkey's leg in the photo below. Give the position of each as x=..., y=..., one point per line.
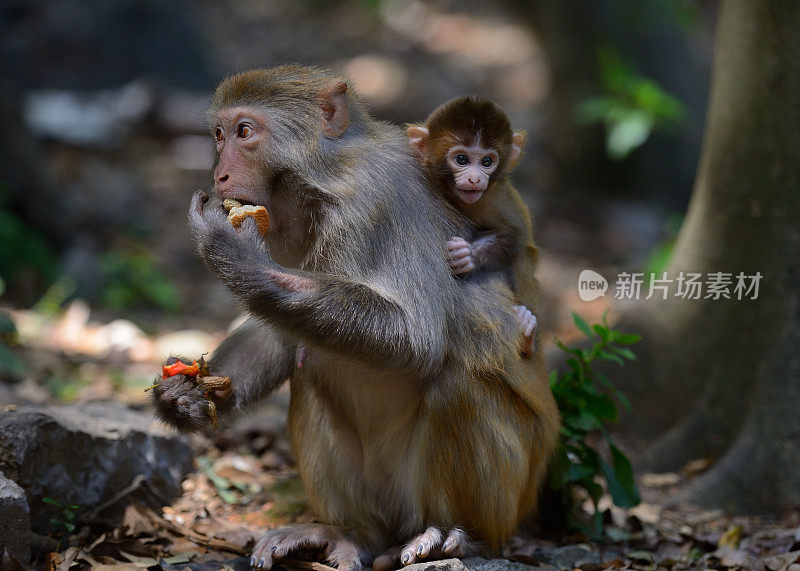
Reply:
x=434, y=543
x=335, y=544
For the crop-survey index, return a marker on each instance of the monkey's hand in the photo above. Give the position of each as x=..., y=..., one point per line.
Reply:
x=181, y=401
x=459, y=252
x=227, y=251
x=527, y=323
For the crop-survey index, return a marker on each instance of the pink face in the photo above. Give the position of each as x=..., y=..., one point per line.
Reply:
x=471, y=168
x=238, y=133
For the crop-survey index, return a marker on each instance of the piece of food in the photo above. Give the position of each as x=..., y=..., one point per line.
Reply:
x=238, y=212
x=180, y=368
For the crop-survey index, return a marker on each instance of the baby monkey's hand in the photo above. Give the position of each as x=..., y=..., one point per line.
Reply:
x=459, y=252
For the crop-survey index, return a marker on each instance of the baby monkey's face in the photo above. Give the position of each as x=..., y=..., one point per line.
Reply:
x=471, y=166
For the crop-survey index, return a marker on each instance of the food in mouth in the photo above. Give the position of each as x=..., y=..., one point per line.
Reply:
x=237, y=212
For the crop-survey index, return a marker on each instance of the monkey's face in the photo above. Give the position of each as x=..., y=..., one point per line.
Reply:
x=471, y=168
x=240, y=172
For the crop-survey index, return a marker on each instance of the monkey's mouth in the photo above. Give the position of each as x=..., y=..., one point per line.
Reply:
x=469, y=195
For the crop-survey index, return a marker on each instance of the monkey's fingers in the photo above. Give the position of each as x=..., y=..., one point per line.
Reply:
x=530, y=325
x=464, y=268
x=456, y=544
x=421, y=546
x=460, y=253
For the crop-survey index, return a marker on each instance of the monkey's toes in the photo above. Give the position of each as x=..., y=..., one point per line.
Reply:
x=337, y=549
x=432, y=544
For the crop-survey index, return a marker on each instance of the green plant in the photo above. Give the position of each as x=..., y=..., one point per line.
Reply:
x=584, y=398
x=68, y=514
x=133, y=278
x=631, y=106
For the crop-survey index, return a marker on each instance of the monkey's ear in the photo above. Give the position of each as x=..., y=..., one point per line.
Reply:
x=334, y=109
x=417, y=138
x=517, y=143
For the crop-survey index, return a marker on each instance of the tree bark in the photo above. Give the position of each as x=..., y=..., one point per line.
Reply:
x=735, y=365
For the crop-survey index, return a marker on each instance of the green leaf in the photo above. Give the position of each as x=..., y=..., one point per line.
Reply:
x=69, y=526
x=583, y=421
x=621, y=484
x=627, y=338
x=605, y=355
x=628, y=134
x=603, y=332
x=51, y=501
x=579, y=472
x=582, y=325
x=602, y=407
x=571, y=350
x=624, y=352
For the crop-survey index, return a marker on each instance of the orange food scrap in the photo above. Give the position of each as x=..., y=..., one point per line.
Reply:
x=181, y=368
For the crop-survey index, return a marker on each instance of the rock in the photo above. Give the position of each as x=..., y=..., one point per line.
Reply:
x=87, y=455
x=480, y=564
x=572, y=556
x=14, y=521
x=443, y=565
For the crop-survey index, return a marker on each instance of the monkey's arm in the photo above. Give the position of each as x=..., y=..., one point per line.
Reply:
x=256, y=360
x=490, y=251
x=331, y=312
x=496, y=249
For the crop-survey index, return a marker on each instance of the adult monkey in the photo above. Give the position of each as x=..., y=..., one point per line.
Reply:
x=411, y=418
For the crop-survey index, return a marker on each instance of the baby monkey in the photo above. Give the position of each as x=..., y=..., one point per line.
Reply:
x=469, y=149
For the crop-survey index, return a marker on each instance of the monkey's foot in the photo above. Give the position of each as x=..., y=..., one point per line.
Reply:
x=336, y=547
x=527, y=323
x=434, y=543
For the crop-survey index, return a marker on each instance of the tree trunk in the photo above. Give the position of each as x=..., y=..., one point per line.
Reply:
x=735, y=365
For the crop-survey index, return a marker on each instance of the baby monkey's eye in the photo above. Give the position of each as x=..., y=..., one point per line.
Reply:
x=218, y=134
x=462, y=160
x=244, y=131
x=487, y=161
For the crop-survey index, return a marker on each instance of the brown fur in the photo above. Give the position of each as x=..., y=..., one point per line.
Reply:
x=501, y=216
x=412, y=408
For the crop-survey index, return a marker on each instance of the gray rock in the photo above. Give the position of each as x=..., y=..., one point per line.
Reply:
x=572, y=556
x=88, y=455
x=480, y=564
x=443, y=565
x=14, y=521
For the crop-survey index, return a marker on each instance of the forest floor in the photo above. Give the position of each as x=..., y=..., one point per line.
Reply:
x=245, y=480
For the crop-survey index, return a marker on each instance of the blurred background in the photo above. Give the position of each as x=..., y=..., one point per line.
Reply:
x=104, y=140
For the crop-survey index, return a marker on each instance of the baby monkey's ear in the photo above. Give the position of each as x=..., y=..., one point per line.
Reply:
x=417, y=138
x=517, y=143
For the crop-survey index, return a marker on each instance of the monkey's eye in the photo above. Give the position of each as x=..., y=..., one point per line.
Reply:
x=218, y=134
x=243, y=131
x=487, y=161
x=462, y=160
